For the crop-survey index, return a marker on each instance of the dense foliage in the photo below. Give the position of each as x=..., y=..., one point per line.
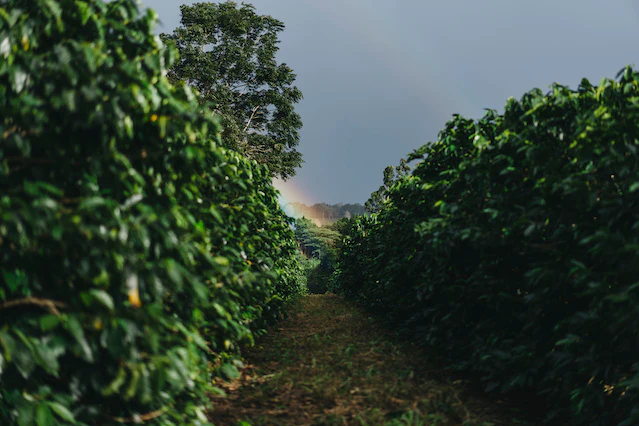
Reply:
x=391, y=175
x=227, y=52
x=513, y=249
x=319, y=243
x=135, y=253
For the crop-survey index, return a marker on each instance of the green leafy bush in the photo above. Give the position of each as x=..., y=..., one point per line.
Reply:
x=135, y=252
x=321, y=244
x=513, y=248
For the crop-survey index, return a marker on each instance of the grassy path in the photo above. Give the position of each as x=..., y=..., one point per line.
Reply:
x=330, y=364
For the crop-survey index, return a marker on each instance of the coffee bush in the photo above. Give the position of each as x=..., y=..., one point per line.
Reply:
x=513, y=249
x=136, y=253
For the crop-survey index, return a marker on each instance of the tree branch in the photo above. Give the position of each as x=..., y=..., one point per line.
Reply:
x=251, y=118
x=50, y=305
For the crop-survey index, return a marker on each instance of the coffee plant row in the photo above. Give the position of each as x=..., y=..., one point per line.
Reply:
x=136, y=253
x=513, y=249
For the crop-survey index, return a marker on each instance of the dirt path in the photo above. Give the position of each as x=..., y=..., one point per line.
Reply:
x=330, y=364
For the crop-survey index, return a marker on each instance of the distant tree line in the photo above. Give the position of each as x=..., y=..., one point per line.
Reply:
x=327, y=212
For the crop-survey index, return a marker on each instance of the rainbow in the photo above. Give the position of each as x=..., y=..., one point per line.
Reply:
x=291, y=192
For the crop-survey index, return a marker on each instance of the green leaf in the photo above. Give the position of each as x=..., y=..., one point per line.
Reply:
x=222, y=261
x=618, y=298
x=221, y=311
x=216, y=214
x=49, y=322
x=229, y=372
x=133, y=384
x=47, y=355
x=23, y=356
x=26, y=414
x=162, y=122
x=5, y=47
x=45, y=202
x=145, y=391
x=530, y=230
x=57, y=232
x=116, y=384
x=103, y=298
x=8, y=344
x=19, y=79
x=14, y=280
x=92, y=202
x=63, y=412
x=217, y=391
x=75, y=328
x=85, y=12
x=49, y=188
x=90, y=57
x=492, y=212
x=128, y=126
x=568, y=340
x=44, y=416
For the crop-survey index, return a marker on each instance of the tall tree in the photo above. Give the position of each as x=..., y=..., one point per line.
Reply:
x=227, y=52
x=391, y=175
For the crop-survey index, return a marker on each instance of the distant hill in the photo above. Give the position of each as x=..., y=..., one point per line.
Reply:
x=322, y=213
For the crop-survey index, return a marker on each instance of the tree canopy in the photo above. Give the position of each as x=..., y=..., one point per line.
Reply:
x=391, y=175
x=227, y=52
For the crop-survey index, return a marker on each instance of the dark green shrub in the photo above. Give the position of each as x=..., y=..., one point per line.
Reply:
x=513, y=249
x=135, y=252
x=319, y=243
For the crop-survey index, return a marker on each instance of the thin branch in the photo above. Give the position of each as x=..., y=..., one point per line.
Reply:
x=249, y=150
x=251, y=118
x=50, y=305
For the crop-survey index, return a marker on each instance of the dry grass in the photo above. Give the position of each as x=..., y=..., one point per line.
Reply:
x=330, y=364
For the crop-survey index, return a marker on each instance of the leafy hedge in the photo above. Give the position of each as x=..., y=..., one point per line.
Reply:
x=135, y=252
x=319, y=245
x=513, y=249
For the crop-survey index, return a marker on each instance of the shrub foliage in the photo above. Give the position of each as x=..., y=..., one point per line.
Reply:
x=320, y=246
x=135, y=253
x=513, y=249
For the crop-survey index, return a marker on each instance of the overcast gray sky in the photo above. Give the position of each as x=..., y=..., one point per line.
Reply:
x=381, y=78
